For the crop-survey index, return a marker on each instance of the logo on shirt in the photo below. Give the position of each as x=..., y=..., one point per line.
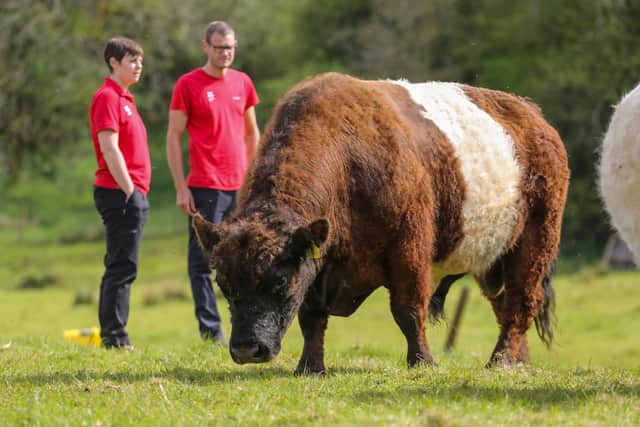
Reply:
x=236, y=98
x=127, y=110
x=210, y=96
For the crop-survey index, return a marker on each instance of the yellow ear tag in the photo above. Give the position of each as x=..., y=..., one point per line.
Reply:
x=313, y=252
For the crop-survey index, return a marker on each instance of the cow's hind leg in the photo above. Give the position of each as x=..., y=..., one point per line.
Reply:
x=497, y=357
x=313, y=323
x=492, y=285
x=526, y=293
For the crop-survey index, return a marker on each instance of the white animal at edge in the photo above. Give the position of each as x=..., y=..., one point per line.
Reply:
x=619, y=170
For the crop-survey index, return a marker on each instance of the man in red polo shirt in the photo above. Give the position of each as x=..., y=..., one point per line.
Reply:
x=215, y=105
x=121, y=185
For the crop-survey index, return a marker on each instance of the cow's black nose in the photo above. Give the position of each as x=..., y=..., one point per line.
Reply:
x=249, y=353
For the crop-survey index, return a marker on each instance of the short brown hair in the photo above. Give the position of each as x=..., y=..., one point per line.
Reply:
x=218, y=27
x=118, y=47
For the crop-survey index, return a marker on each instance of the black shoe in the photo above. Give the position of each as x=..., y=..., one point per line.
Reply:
x=117, y=343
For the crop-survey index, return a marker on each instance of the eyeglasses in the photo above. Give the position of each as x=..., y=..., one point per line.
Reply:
x=221, y=49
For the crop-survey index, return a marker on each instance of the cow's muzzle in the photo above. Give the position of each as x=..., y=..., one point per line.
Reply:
x=250, y=352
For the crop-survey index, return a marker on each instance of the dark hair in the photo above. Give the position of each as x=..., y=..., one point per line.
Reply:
x=118, y=47
x=218, y=27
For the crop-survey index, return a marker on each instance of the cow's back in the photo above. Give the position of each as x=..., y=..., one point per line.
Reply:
x=369, y=154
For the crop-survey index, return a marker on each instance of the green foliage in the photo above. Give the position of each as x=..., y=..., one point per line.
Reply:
x=397, y=40
x=43, y=85
x=330, y=29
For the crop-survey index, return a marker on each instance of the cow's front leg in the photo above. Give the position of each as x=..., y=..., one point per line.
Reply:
x=410, y=318
x=313, y=323
x=409, y=289
x=408, y=305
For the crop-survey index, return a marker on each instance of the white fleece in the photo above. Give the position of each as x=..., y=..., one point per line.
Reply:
x=619, y=170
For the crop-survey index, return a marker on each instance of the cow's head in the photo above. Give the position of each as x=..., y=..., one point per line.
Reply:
x=264, y=276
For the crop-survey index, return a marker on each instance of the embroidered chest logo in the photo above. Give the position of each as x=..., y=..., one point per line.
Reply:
x=127, y=110
x=211, y=96
x=236, y=98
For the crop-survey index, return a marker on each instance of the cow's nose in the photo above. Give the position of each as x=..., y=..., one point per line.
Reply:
x=249, y=352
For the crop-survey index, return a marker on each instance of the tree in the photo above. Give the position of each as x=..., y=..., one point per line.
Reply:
x=43, y=84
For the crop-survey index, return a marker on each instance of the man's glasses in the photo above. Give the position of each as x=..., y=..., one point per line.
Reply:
x=221, y=49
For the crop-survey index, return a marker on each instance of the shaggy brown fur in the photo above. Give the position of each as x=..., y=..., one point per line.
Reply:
x=354, y=168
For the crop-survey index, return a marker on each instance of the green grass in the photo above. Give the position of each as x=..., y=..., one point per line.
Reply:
x=590, y=377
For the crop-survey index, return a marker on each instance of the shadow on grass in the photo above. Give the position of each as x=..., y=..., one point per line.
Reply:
x=201, y=377
x=177, y=374
x=537, y=397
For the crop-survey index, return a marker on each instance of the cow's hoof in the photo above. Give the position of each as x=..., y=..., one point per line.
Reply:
x=305, y=369
x=421, y=360
x=497, y=360
x=500, y=361
x=420, y=363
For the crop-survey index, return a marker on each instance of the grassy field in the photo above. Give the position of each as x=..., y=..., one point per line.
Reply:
x=591, y=377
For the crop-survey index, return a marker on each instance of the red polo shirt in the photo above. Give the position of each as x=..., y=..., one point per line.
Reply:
x=113, y=107
x=215, y=110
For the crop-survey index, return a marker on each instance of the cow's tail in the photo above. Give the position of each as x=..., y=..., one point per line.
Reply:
x=546, y=319
x=436, y=302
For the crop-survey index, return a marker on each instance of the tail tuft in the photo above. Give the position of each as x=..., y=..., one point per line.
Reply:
x=546, y=319
x=436, y=303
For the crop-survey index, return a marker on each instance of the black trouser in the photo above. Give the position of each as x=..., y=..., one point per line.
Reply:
x=214, y=205
x=123, y=223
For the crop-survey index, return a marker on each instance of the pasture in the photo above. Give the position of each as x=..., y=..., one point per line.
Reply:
x=590, y=377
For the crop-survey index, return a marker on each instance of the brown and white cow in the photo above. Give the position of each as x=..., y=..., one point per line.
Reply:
x=362, y=184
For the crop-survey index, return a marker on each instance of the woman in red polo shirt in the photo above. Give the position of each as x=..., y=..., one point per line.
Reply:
x=121, y=185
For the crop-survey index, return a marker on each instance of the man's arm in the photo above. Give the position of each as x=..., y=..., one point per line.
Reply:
x=177, y=126
x=251, y=133
x=108, y=141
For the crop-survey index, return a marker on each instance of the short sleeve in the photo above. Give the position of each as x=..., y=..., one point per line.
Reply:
x=106, y=112
x=180, y=98
x=252, y=96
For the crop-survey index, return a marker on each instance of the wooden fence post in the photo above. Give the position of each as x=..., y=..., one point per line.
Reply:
x=455, y=323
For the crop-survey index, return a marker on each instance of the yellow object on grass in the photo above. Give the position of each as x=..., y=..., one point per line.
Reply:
x=84, y=336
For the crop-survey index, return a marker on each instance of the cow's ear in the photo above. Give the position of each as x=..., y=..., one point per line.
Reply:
x=206, y=233
x=307, y=241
